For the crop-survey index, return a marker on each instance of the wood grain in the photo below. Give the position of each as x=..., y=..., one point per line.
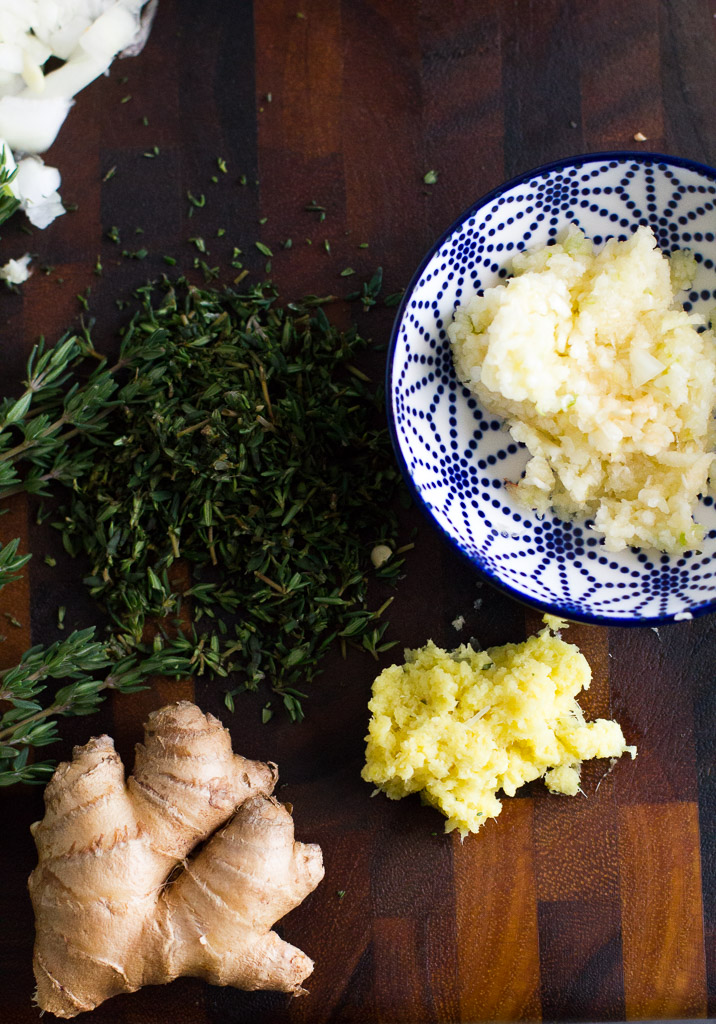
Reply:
x=581, y=960
x=704, y=697
x=495, y=894
x=601, y=907
x=621, y=86
x=664, y=971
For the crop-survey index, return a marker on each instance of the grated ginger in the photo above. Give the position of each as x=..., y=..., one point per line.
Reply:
x=458, y=728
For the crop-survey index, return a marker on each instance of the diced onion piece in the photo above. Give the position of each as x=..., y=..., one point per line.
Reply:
x=35, y=50
x=16, y=19
x=32, y=76
x=16, y=271
x=11, y=84
x=36, y=185
x=30, y=124
x=110, y=33
x=73, y=76
x=62, y=33
x=11, y=58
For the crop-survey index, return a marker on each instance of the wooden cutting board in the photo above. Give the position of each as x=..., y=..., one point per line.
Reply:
x=601, y=907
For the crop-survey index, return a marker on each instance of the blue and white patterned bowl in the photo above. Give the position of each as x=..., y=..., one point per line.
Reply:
x=456, y=458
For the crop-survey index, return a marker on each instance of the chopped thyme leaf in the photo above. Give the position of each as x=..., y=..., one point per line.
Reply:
x=430, y=178
x=110, y=173
x=210, y=273
x=263, y=248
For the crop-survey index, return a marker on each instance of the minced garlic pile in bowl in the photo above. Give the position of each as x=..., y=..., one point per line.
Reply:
x=605, y=379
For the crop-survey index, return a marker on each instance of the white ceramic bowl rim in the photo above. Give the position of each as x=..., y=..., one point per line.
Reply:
x=552, y=607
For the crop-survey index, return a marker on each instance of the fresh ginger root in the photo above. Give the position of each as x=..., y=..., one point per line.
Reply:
x=118, y=906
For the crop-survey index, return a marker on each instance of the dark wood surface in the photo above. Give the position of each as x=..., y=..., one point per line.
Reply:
x=602, y=907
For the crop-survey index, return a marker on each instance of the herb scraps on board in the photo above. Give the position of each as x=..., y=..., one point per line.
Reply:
x=228, y=479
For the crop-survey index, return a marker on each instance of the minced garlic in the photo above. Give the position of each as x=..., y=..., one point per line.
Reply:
x=605, y=379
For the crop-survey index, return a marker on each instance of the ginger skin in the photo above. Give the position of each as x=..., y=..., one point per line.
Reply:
x=114, y=910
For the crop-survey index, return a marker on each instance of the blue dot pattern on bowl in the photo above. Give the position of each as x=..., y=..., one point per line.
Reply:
x=458, y=458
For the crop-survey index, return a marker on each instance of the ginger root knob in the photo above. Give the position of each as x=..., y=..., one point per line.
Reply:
x=119, y=900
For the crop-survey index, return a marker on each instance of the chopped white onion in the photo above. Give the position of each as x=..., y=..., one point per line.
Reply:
x=72, y=77
x=11, y=58
x=110, y=33
x=36, y=186
x=87, y=35
x=16, y=271
x=29, y=124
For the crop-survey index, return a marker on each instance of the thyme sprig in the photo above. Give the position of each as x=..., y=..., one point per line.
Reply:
x=87, y=666
x=11, y=562
x=54, y=408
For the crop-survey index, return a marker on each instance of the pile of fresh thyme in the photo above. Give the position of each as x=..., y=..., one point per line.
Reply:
x=232, y=464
